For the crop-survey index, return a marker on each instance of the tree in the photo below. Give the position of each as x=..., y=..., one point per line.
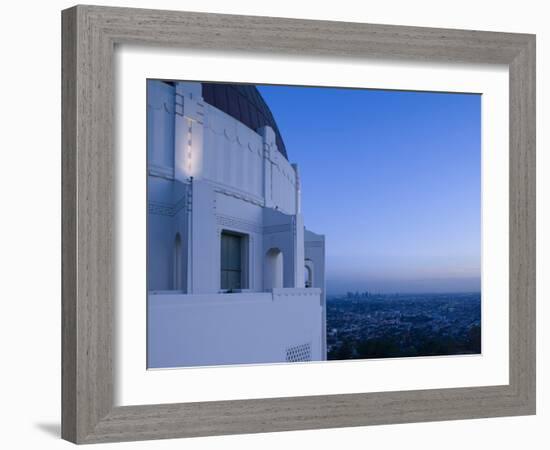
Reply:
x=344, y=351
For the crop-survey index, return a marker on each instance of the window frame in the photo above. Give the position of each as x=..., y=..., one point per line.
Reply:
x=244, y=259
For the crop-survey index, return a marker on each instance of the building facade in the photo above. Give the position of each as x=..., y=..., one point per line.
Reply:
x=233, y=276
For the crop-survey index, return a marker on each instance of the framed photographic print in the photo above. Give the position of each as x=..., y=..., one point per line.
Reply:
x=279, y=224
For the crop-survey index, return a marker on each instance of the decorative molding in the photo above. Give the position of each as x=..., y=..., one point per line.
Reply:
x=282, y=228
x=178, y=104
x=232, y=192
x=232, y=136
x=296, y=292
x=168, y=209
x=313, y=244
x=164, y=106
x=160, y=209
x=237, y=224
x=160, y=171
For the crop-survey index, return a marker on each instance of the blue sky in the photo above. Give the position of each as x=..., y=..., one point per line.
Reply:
x=392, y=179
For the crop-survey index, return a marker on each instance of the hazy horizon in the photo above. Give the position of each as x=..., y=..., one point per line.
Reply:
x=444, y=286
x=393, y=181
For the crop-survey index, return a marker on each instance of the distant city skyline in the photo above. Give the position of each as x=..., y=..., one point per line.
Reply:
x=393, y=178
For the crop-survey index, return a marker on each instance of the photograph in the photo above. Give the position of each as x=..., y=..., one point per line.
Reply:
x=302, y=224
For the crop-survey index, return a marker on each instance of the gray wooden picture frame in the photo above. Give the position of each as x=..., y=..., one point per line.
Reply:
x=90, y=34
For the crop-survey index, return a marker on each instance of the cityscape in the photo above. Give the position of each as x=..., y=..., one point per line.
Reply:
x=364, y=325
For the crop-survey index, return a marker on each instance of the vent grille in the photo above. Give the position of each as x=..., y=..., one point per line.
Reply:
x=299, y=353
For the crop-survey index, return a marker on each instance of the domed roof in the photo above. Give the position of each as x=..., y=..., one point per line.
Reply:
x=245, y=103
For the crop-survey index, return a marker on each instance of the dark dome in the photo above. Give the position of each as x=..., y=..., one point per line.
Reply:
x=245, y=103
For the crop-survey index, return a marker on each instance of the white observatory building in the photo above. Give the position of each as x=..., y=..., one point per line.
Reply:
x=233, y=277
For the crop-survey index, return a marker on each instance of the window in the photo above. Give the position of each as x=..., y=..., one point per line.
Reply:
x=307, y=277
x=308, y=273
x=233, y=261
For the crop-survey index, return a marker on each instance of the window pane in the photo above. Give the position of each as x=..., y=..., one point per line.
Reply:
x=231, y=248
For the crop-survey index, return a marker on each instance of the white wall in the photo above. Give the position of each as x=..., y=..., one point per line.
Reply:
x=160, y=111
x=280, y=232
x=228, y=153
x=314, y=252
x=242, y=328
x=30, y=226
x=233, y=153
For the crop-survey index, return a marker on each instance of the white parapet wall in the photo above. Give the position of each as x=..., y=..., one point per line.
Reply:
x=283, y=325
